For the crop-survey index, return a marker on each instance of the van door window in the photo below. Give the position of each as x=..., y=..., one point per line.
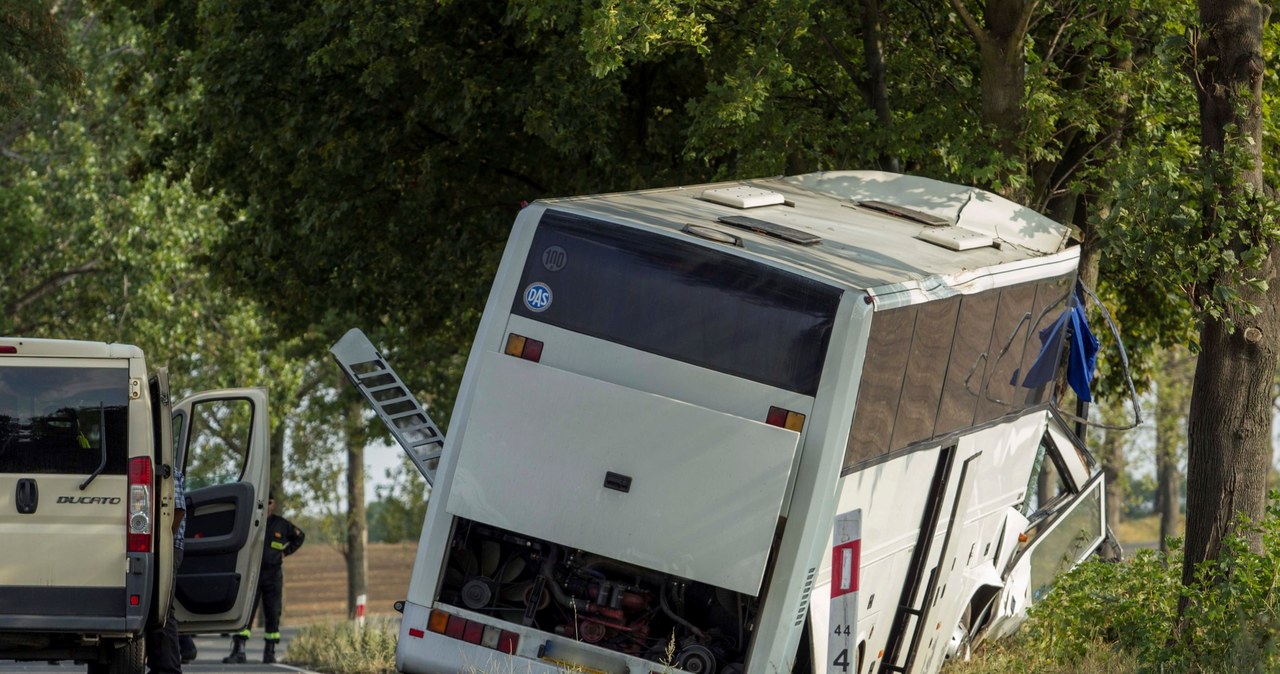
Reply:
x=56, y=419
x=219, y=442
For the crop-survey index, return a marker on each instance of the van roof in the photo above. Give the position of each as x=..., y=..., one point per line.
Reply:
x=859, y=229
x=68, y=348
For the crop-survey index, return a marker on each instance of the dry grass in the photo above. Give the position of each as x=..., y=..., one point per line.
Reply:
x=1007, y=657
x=1141, y=530
x=341, y=648
x=315, y=581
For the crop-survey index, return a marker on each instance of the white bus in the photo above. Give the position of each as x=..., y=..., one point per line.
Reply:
x=793, y=424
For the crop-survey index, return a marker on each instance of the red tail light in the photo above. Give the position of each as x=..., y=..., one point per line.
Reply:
x=140, y=512
x=523, y=347
x=470, y=631
x=792, y=421
x=473, y=632
x=8, y=349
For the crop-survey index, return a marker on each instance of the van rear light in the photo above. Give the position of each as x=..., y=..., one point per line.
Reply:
x=139, y=517
x=523, y=347
x=792, y=421
x=8, y=349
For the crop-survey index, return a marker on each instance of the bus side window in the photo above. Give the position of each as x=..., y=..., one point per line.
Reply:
x=1012, y=332
x=1045, y=486
x=926, y=372
x=884, y=369
x=969, y=362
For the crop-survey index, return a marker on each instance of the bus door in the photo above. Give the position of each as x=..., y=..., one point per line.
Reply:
x=909, y=619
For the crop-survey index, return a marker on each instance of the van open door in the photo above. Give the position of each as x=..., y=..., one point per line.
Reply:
x=222, y=443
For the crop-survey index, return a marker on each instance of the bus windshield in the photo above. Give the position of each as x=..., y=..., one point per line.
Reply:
x=678, y=299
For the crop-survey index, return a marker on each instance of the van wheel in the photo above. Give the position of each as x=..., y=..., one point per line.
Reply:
x=126, y=659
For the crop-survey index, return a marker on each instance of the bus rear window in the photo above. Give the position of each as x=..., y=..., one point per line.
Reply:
x=678, y=299
x=56, y=419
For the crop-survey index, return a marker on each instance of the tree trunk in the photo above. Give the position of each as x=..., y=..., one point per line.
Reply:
x=1173, y=386
x=1004, y=69
x=877, y=88
x=1167, y=499
x=357, y=529
x=277, y=457
x=1229, y=444
x=1000, y=48
x=1110, y=453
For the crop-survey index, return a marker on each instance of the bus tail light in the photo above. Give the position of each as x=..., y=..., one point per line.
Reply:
x=523, y=347
x=139, y=519
x=792, y=421
x=473, y=632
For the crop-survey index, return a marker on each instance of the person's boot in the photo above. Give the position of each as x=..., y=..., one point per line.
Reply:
x=237, y=651
x=269, y=652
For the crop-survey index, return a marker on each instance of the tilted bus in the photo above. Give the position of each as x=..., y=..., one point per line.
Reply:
x=795, y=424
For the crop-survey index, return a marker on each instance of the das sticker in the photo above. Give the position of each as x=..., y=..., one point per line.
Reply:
x=537, y=297
x=554, y=258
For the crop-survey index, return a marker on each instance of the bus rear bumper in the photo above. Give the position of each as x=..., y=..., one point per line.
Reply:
x=421, y=651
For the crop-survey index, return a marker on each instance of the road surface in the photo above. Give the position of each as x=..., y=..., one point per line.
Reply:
x=211, y=650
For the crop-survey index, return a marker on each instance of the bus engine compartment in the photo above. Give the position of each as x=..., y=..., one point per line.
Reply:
x=590, y=598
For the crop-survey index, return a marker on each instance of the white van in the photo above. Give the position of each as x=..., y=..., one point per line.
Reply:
x=88, y=445
x=792, y=424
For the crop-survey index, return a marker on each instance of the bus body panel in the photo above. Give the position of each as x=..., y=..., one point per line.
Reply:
x=696, y=496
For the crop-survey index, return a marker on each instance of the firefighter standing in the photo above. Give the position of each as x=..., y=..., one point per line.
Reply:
x=283, y=539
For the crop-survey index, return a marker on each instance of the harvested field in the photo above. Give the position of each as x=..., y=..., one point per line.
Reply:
x=315, y=580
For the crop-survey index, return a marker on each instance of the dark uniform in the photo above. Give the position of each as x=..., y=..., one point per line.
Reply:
x=283, y=539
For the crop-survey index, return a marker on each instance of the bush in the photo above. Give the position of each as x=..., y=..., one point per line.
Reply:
x=1130, y=610
x=342, y=648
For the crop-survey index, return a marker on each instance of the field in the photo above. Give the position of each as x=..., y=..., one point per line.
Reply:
x=315, y=579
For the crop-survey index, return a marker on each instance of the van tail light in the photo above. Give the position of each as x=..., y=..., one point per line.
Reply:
x=139, y=522
x=792, y=421
x=8, y=349
x=523, y=347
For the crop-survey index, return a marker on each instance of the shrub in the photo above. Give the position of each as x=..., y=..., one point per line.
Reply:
x=1231, y=622
x=342, y=648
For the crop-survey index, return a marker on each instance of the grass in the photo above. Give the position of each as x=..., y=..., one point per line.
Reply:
x=342, y=648
x=1012, y=657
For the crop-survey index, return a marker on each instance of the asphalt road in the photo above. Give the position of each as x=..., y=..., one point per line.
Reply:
x=210, y=651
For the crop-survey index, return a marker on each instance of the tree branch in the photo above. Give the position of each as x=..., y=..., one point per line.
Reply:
x=967, y=19
x=47, y=287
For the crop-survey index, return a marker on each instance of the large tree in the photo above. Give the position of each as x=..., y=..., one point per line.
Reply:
x=1229, y=439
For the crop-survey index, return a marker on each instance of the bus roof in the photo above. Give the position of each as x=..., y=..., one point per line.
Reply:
x=858, y=229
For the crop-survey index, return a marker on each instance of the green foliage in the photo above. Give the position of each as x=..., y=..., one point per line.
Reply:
x=398, y=514
x=343, y=648
x=34, y=54
x=1231, y=622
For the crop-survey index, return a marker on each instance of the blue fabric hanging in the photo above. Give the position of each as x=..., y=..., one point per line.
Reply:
x=1083, y=356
